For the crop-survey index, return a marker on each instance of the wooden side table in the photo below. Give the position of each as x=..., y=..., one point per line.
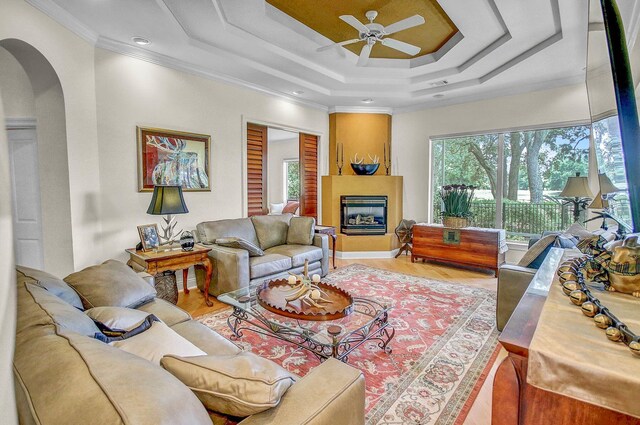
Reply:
x=331, y=231
x=155, y=263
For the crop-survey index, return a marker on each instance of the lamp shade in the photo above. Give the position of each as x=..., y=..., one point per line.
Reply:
x=167, y=200
x=606, y=186
x=598, y=203
x=576, y=187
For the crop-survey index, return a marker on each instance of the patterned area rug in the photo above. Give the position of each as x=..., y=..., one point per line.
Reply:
x=444, y=344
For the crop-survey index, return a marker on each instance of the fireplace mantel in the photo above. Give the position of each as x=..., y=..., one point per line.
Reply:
x=333, y=187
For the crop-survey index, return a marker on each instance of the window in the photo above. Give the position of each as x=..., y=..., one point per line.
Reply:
x=518, y=174
x=606, y=135
x=291, y=169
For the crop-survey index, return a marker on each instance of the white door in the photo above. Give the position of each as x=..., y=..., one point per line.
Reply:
x=25, y=183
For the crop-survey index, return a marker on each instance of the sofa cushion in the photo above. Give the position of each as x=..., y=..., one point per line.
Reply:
x=239, y=243
x=63, y=314
x=121, y=318
x=165, y=311
x=111, y=283
x=536, y=254
x=156, y=342
x=301, y=231
x=52, y=284
x=268, y=264
x=209, y=231
x=205, y=339
x=271, y=229
x=239, y=385
x=298, y=253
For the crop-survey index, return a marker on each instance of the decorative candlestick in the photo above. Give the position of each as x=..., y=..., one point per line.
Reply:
x=387, y=158
x=340, y=157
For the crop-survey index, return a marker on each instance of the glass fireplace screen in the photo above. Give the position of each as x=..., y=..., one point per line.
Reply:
x=363, y=215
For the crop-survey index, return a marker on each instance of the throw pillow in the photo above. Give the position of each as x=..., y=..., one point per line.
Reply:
x=271, y=229
x=301, y=231
x=52, y=284
x=291, y=207
x=62, y=313
x=111, y=283
x=579, y=231
x=239, y=243
x=239, y=385
x=156, y=342
x=276, y=208
x=121, y=318
x=534, y=257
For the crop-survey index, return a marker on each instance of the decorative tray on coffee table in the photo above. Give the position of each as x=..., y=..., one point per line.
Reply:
x=272, y=296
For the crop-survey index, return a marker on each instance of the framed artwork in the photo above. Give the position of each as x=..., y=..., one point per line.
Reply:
x=149, y=236
x=175, y=158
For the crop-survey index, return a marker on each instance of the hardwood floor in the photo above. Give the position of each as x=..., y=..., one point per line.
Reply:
x=480, y=413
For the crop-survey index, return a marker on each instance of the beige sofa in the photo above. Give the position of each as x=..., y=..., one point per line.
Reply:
x=235, y=268
x=64, y=376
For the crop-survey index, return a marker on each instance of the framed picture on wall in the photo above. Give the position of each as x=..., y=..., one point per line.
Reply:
x=167, y=157
x=149, y=236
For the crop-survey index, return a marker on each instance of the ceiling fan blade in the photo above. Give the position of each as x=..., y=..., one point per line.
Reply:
x=351, y=20
x=407, y=48
x=342, y=43
x=404, y=24
x=364, y=55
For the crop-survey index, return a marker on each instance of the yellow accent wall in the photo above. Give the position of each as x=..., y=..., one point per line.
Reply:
x=364, y=134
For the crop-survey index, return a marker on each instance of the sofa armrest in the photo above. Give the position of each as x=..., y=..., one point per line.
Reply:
x=331, y=394
x=230, y=270
x=513, y=281
x=322, y=241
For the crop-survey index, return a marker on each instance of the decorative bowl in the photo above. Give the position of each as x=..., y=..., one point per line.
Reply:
x=365, y=169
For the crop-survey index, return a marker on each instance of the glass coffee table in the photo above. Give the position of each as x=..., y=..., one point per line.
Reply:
x=330, y=338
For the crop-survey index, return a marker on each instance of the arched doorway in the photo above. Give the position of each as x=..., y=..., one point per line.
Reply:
x=34, y=107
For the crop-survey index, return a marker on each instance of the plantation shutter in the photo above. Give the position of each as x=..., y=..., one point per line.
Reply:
x=309, y=175
x=256, y=169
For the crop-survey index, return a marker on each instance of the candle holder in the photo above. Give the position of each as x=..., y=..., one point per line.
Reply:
x=340, y=157
x=387, y=158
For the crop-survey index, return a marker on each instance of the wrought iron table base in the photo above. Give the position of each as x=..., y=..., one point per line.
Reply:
x=340, y=347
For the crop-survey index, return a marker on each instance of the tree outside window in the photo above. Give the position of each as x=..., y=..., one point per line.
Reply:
x=292, y=179
x=534, y=167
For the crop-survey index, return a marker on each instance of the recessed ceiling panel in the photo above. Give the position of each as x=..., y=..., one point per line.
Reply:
x=324, y=18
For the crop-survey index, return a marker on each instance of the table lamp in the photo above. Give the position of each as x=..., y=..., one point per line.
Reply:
x=168, y=200
x=577, y=193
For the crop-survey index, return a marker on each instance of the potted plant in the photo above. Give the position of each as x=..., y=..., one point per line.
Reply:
x=456, y=205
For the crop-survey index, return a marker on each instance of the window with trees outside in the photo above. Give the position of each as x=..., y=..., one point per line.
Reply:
x=291, y=179
x=518, y=174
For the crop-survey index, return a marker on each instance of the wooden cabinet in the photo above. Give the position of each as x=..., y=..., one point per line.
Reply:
x=468, y=246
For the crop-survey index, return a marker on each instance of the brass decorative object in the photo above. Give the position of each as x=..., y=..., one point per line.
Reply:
x=615, y=329
x=624, y=267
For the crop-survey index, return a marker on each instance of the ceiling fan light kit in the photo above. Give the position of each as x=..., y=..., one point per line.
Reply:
x=373, y=33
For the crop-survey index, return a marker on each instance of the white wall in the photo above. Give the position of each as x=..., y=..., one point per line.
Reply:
x=132, y=92
x=7, y=286
x=277, y=152
x=73, y=61
x=411, y=131
x=17, y=93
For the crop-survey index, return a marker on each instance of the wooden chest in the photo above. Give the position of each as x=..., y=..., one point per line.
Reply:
x=468, y=246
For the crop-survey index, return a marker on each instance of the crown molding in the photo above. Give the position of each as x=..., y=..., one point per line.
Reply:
x=360, y=110
x=179, y=65
x=66, y=19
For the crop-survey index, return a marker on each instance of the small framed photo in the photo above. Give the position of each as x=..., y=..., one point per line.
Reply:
x=149, y=237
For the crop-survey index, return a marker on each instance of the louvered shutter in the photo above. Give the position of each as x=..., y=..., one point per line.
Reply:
x=309, y=175
x=256, y=169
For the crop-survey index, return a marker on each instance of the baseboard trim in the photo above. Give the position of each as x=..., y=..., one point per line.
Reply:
x=356, y=255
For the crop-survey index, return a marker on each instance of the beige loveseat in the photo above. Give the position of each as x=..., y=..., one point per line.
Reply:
x=65, y=376
x=234, y=268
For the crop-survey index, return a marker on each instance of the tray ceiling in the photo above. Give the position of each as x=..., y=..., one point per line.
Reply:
x=324, y=18
x=494, y=47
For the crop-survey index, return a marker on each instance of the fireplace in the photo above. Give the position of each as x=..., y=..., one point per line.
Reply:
x=363, y=215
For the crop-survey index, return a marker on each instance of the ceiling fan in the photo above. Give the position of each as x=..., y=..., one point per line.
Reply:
x=373, y=33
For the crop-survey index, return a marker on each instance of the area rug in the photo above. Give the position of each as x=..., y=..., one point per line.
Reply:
x=445, y=342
